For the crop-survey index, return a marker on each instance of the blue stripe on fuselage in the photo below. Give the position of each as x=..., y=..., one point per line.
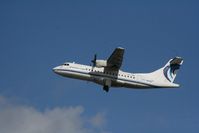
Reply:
x=107, y=76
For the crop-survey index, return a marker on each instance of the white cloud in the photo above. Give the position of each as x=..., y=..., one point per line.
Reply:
x=26, y=119
x=98, y=120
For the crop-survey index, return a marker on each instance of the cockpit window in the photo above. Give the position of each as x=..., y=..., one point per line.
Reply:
x=66, y=64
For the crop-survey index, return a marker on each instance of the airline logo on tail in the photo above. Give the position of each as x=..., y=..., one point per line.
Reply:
x=171, y=68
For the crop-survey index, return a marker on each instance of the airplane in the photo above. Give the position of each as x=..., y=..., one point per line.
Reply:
x=108, y=74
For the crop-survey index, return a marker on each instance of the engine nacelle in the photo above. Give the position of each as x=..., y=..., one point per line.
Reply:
x=101, y=63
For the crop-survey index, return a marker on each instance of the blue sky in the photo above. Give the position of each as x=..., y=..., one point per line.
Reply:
x=36, y=36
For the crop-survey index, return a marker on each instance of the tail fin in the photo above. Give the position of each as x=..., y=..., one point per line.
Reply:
x=171, y=68
x=166, y=75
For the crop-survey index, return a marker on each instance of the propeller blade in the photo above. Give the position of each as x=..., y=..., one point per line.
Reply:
x=94, y=60
x=95, y=57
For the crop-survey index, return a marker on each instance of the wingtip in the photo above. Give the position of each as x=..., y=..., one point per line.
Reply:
x=120, y=48
x=178, y=57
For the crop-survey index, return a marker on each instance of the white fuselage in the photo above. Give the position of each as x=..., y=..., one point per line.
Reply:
x=108, y=77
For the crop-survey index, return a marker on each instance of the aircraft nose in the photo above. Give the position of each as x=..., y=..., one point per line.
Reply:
x=55, y=69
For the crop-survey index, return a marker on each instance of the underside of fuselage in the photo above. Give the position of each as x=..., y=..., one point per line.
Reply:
x=115, y=82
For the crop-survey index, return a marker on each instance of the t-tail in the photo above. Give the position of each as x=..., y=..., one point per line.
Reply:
x=171, y=68
x=166, y=75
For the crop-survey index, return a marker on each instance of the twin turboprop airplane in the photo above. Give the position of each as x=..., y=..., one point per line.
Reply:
x=108, y=74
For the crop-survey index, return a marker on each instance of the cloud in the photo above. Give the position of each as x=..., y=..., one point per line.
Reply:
x=26, y=119
x=98, y=120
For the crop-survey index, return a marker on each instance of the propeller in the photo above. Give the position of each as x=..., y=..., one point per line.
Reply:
x=94, y=60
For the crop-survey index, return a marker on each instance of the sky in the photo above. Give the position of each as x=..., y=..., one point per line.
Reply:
x=37, y=35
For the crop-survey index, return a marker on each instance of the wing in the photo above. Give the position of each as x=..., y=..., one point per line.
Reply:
x=116, y=58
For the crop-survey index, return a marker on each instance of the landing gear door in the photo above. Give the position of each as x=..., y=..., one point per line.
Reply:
x=107, y=82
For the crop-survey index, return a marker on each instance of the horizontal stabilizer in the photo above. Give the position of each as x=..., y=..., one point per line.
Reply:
x=176, y=60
